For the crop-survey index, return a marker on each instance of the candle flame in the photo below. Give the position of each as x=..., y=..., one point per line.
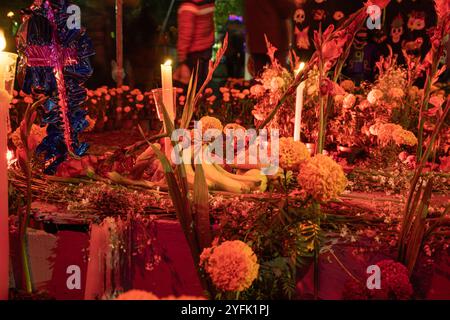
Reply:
x=301, y=66
x=2, y=40
x=10, y=158
x=168, y=63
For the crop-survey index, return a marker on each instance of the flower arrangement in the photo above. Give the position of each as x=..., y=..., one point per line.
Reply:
x=391, y=132
x=271, y=87
x=232, y=265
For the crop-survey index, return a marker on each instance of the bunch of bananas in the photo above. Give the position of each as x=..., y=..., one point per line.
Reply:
x=219, y=179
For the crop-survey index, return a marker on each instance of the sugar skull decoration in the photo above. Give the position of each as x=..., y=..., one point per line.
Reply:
x=416, y=20
x=299, y=16
x=397, y=29
x=54, y=56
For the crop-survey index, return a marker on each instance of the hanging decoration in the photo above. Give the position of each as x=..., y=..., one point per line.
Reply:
x=54, y=56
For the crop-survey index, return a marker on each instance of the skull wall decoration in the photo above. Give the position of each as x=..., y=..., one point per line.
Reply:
x=397, y=29
x=396, y=33
x=299, y=16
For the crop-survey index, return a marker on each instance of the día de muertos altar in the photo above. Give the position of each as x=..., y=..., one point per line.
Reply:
x=54, y=61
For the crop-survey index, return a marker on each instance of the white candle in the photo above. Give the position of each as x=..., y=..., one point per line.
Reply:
x=168, y=101
x=167, y=88
x=298, y=111
x=4, y=225
x=299, y=105
x=7, y=74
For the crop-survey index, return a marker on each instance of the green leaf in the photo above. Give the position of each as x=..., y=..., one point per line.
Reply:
x=201, y=207
x=190, y=101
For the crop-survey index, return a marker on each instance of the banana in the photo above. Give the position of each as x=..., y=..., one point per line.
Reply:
x=252, y=181
x=258, y=174
x=222, y=181
x=190, y=173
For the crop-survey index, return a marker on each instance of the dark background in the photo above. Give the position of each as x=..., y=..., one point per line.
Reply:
x=145, y=47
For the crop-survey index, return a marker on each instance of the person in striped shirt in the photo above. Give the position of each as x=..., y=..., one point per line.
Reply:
x=195, y=38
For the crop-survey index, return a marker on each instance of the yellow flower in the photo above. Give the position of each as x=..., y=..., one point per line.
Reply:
x=137, y=295
x=292, y=153
x=387, y=132
x=375, y=96
x=349, y=101
x=277, y=83
x=396, y=93
x=402, y=136
x=322, y=178
x=232, y=265
x=210, y=123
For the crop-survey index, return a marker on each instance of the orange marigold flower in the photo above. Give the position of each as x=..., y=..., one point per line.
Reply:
x=231, y=265
x=292, y=153
x=322, y=178
x=210, y=123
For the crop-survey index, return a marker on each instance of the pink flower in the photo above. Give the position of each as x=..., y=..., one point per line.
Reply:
x=28, y=100
x=437, y=100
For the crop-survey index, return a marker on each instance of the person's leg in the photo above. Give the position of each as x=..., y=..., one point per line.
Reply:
x=200, y=59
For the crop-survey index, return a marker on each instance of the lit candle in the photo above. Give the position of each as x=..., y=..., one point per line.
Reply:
x=168, y=99
x=299, y=105
x=7, y=74
x=167, y=88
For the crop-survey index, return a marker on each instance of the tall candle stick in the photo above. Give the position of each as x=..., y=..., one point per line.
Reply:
x=168, y=99
x=167, y=88
x=298, y=110
x=299, y=105
x=7, y=74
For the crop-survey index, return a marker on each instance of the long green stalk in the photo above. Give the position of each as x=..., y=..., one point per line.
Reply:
x=24, y=236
